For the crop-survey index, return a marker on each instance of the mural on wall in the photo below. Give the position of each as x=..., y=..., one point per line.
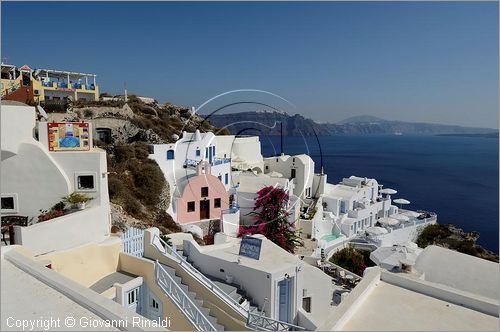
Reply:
x=69, y=136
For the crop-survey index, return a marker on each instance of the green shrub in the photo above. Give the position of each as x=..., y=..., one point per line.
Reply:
x=141, y=150
x=431, y=233
x=124, y=153
x=352, y=259
x=148, y=181
x=116, y=187
x=131, y=205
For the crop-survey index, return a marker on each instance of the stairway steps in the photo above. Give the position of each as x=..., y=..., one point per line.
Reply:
x=193, y=296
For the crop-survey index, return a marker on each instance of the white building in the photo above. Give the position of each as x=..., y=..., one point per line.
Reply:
x=355, y=206
x=196, y=196
x=37, y=174
x=277, y=283
x=299, y=169
x=245, y=152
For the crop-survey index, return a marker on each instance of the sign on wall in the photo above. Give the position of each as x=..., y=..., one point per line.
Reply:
x=68, y=136
x=250, y=247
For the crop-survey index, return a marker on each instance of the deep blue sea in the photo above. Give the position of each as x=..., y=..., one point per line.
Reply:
x=456, y=177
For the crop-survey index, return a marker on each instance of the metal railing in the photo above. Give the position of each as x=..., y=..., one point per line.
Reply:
x=220, y=161
x=262, y=322
x=203, y=279
x=182, y=300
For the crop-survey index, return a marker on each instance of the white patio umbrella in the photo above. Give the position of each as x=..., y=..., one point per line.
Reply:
x=375, y=230
x=388, y=221
x=400, y=217
x=388, y=191
x=391, y=257
x=410, y=213
x=401, y=202
x=275, y=174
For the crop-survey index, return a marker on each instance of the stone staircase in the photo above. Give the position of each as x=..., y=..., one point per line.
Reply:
x=192, y=295
x=233, y=290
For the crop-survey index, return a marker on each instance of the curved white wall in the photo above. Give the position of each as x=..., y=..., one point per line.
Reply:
x=37, y=180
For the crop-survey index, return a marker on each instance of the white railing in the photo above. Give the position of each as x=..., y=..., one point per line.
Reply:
x=203, y=279
x=262, y=322
x=182, y=300
x=133, y=242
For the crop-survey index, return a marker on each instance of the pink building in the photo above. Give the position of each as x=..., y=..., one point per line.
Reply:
x=203, y=197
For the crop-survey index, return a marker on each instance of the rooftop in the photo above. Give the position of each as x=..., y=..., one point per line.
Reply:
x=251, y=182
x=25, y=297
x=389, y=307
x=272, y=257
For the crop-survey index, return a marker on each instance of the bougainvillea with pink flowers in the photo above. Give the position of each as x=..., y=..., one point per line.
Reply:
x=271, y=219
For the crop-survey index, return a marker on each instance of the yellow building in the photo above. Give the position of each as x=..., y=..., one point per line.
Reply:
x=44, y=85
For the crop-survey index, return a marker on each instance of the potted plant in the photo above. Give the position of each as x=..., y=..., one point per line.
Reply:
x=77, y=200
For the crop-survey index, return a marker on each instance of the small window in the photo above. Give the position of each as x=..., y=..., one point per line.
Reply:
x=170, y=154
x=204, y=192
x=306, y=304
x=226, y=178
x=293, y=173
x=293, y=159
x=217, y=203
x=191, y=206
x=198, y=153
x=267, y=167
x=220, y=178
x=8, y=203
x=86, y=182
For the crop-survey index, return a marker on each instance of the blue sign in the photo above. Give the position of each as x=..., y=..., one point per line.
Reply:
x=250, y=247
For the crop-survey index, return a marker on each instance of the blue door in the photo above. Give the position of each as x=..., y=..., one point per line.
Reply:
x=284, y=300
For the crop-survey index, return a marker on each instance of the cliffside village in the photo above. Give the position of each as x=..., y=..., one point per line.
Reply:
x=138, y=279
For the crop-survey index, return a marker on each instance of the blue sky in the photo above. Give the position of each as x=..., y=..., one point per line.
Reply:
x=432, y=62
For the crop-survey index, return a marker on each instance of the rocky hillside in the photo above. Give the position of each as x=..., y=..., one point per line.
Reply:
x=137, y=188
x=451, y=237
x=296, y=125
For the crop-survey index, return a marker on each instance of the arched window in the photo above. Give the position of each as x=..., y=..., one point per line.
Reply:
x=170, y=154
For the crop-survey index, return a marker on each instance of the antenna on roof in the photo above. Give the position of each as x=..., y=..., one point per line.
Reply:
x=320, y=151
x=281, y=136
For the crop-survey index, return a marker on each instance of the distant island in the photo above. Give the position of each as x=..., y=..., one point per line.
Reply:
x=268, y=123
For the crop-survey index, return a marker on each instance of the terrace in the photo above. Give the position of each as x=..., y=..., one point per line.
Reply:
x=57, y=79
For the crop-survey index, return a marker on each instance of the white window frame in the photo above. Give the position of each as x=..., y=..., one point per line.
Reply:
x=16, y=203
x=94, y=174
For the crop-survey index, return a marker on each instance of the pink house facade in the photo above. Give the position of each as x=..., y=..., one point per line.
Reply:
x=204, y=197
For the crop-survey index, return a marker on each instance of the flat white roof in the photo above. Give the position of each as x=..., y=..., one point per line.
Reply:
x=392, y=308
x=250, y=182
x=272, y=257
x=25, y=297
x=341, y=191
x=460, y=271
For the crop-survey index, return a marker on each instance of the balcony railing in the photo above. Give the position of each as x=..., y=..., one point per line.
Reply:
x=182, y=300
x=233, y=209
x=183, y=263
x=90, y=87
x=220, y=161
x=215, y=162
x=263, y=323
